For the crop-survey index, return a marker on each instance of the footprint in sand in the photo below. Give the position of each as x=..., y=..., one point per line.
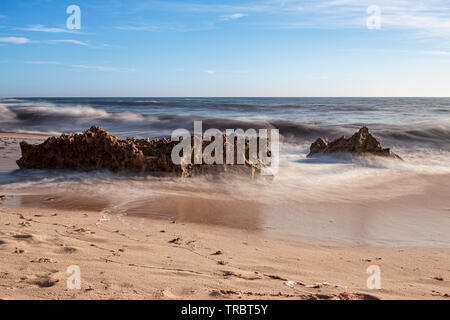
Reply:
x=43, y=260
x=164, y=293
x=23, y=236
x=365, y=296
x=69, y=250
x=44, y=281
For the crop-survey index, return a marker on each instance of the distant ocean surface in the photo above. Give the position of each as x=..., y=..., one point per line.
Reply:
x=421, y=121
x=372, y=200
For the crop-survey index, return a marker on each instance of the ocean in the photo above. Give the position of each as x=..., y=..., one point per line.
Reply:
x=423, y=121
x=343, y=200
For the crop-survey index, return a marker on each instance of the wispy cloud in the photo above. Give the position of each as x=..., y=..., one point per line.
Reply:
x=165, y=27
x=81, y=67
x=42, y=28
x=210, y=71
x=408, y=52
x=437, y=53
x=22, y=40
x=43, y=62
x=15, y=40
x=428, y=17
x=101, y=68
x=233, y=16
x=425, y=18
x=77, y=42
x=151, y=28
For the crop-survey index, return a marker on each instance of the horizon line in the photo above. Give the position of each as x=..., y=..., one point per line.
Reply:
x=219, y=97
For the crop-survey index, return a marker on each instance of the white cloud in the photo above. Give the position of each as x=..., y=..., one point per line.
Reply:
x=425, y=18
x=42, y=28
x=15, y=40
x=408, y=52
x=233, y=16
x=437, y=53
x=165, y=27
x=77, y=42
x=21, y=40
x=210, y=71
x=101, y=68
x=80, y=67
x=43, y=62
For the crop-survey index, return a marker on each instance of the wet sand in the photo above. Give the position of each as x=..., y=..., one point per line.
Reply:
x=10, y=150
x=192, y=248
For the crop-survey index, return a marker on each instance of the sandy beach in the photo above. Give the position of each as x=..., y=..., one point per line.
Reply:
x=208, y=151
x=132, y=256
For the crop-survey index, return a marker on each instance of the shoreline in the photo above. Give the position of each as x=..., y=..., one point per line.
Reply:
x=133, y=256
x=10, y=152
x=400, y=209
x=25, y=135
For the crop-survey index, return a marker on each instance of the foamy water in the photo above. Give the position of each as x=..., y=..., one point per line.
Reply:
x=368, y=200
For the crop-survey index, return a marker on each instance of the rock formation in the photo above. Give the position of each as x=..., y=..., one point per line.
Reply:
x=361, y=143
x=97, y=149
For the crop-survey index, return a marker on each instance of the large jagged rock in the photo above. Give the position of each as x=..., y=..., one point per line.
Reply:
x=361, y=143
x=97, y=149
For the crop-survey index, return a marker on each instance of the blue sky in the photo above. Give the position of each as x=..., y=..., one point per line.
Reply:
x=225, y=48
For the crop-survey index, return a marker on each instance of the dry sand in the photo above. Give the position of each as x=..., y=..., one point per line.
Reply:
x=125, y=257
x=133, y=258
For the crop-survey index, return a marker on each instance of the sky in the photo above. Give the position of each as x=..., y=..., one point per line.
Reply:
x=289, y=48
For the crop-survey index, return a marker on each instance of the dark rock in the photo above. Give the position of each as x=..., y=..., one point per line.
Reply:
x=97, y=149
x=361, y=143
x=94, y=149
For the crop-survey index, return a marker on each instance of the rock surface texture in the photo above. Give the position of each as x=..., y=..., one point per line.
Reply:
x=361, y=143
x=97, y=149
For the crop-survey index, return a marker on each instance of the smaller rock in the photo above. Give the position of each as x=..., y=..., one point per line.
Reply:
x=361, y=143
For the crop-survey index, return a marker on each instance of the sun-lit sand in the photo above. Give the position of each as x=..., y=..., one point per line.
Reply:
x=191, y=256
x=134, y=258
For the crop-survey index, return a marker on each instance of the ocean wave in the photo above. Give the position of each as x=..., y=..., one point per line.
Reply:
x=431, y=131
x=11, y=100
x=6, y=114
x=164, y=103
x=45, y=111
x=45, y=117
